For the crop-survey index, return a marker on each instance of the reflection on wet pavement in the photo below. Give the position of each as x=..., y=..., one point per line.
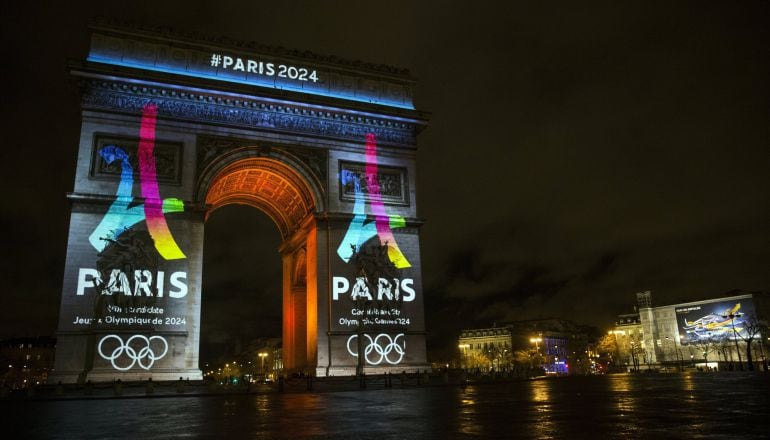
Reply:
x=690, y=405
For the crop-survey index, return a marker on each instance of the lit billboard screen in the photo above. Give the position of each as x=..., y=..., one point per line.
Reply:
x=713, y=320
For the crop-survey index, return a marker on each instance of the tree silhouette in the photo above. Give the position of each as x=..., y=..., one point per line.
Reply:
x=752, y=328
x=706, y=346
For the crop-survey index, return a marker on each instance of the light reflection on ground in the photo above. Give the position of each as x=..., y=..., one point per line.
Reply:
x=540, y=392
x=621, y=391
x=691, y=405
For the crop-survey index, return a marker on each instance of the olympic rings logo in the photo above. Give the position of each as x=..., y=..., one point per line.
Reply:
x=383, y=346
x=140, y=352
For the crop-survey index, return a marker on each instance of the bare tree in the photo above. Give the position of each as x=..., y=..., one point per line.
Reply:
x=724, y=346
x=752, y=329
x=706, y=346
x=648, y=355
x=636, y=350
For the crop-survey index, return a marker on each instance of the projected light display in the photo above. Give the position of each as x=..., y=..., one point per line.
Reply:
x=359, y=231
x=292, y=134
x=125, y=355
x=381, y=348
x=378, y=302
x=124, y=286
x=120, y=216
x=714, y=320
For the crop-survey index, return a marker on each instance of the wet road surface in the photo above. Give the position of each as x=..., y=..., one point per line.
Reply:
x=645, y=406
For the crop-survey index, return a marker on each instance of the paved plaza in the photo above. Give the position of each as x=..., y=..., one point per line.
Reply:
x=690, y=405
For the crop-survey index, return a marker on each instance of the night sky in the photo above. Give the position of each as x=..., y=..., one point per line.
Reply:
x=576, y=153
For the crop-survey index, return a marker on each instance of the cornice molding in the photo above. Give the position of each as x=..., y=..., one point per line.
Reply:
x=251, y=112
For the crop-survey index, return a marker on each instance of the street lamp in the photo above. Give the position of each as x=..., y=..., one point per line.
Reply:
x=617, y=344
x=262, y=356
x=505, y=358
x=537, y=342
x=464, y=360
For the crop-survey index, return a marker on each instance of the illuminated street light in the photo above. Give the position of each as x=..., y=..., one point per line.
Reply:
x=262, y=356
x=463, y=349
x=617, y=346
x=505, y=358
x=537, y=342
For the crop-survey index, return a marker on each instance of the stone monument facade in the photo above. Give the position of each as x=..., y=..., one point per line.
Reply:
x=175, y=126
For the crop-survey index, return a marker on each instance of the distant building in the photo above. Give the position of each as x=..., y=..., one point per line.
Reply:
x=266, y=356
x=630, y=348
x=258, y=360
x=486, y=348
x=550, y=344
x=26, y=362
x=712, y=333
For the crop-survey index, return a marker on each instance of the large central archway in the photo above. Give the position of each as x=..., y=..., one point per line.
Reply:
x=275, y=184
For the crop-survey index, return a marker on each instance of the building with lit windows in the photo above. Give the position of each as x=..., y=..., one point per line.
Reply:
x=257, y=360
x=720, y=333
x=485, y=348
x=629, y=352
x=550, y=344
x=26, y=362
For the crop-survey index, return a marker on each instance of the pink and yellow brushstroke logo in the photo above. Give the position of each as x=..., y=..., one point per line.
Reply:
x=359, y=231
x=120, y=216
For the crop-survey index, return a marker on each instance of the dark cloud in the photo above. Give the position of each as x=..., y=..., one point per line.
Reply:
x=575, y=154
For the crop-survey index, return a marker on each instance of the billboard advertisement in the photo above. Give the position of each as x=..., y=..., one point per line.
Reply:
x=715, y=320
